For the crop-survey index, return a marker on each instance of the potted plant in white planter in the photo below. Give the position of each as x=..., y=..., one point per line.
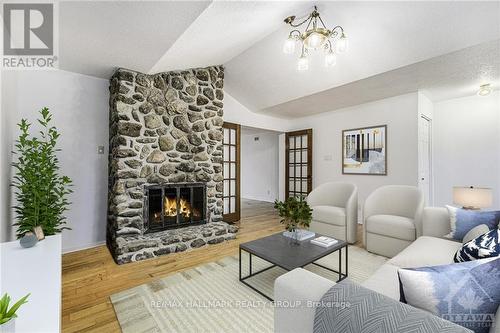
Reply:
x=40, y=191
x=8, y=315
x=294, y=213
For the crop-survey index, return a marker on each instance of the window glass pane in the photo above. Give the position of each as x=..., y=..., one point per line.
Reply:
x=290, y=185
x=290, y=194
x=304, y=186
x=233, y=170
x=233, y=187
x=226, y=205
x=290, y=172
x=291, y=141
x=297, y=171
x=233, y=205
x=226, y=170
x=226, y=135
x=304, y=171
x=232, y=153
x=304, y=156
x=226, y=153
x=304, y=141
x=226, y=188
x=291, y=158
x=297, y=186
x=298, y=143
x=297, y=156
x=233, y=137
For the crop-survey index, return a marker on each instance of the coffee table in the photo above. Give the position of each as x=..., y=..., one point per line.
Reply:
x=281, y=252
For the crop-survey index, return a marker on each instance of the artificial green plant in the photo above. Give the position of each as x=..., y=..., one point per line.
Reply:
x=41, y=192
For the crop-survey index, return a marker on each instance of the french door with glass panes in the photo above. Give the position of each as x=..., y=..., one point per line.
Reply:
x=231, y=172
x=298, y=161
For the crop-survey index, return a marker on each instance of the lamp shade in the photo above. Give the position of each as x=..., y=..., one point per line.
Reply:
x=472, y=197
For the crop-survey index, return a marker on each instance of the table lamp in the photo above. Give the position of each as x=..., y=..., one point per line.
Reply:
x=472, y=197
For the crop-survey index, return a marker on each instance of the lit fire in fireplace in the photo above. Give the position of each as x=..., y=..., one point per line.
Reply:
x=170, y=206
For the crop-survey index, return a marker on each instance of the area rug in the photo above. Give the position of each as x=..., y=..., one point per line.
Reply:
x=210, y=298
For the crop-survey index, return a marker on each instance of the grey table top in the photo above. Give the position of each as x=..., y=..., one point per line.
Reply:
x=279, y=250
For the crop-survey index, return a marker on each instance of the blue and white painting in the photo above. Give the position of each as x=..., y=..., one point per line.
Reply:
x=365, y=151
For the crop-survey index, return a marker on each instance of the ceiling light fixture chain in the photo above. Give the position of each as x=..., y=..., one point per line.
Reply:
x=313, y=38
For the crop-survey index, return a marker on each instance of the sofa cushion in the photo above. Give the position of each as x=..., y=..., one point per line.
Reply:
x=329, y=214
x=427, y=251
x=385, y=281
x=350, y=308
x=465, y=293
x=392, y=226
x=463, y=220
x=484, y=246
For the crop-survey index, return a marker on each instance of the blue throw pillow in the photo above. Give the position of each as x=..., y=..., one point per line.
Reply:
x=467, y=294
x=463, y=220
x=484, y=246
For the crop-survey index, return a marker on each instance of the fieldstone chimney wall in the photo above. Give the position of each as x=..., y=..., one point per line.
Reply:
x=164, y=128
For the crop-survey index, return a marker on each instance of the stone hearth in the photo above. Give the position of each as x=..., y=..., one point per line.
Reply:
x=164, y=128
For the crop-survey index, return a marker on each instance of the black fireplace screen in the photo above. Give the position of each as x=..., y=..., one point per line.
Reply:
x=174, y=205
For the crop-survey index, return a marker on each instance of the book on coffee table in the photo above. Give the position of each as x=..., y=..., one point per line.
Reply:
x=324, y=241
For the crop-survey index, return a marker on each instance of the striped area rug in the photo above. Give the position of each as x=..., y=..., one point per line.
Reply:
x=210, y=298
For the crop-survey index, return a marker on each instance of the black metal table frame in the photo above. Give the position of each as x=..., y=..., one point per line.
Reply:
x=342, y=276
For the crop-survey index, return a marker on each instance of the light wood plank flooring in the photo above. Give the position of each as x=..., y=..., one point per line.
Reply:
x=91, y=276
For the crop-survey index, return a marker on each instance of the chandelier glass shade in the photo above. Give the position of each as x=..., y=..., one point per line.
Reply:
x=316, y=36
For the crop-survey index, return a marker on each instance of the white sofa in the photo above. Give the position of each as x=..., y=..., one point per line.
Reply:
x=335, y=210
x=304, y=286
x=392, y=219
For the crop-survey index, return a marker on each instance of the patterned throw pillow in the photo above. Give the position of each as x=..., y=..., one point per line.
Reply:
x=467, y=294
x=484, y=246
x=463, y=220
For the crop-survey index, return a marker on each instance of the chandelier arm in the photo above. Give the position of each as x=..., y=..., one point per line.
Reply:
x=322, y=23
x=299, y=24
x=294, y=31
x=309, y=24
x=338, y=27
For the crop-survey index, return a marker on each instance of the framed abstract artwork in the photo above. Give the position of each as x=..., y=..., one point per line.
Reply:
x=364, y=151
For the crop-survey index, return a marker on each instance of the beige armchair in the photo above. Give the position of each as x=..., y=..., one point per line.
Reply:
x=335, y=210
x=392, y=219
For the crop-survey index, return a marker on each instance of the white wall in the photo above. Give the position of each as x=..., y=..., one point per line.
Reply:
x=80, y=112
x=4, y=176
x=399, y=113
x=466, y=136
x=235, y=112
x=259, y=165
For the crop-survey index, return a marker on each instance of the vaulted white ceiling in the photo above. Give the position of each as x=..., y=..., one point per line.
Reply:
x=390, y=43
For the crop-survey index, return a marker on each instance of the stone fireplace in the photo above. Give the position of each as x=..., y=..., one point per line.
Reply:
x=165, y=163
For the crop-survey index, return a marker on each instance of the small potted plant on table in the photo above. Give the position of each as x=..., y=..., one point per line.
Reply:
x=294, y=213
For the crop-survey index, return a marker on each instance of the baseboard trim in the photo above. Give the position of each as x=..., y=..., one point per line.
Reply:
x=258, y=199
x=85, y=247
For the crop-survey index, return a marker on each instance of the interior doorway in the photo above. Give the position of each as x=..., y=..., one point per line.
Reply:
x=260, y=169
x=231, y=172
x=298, y=165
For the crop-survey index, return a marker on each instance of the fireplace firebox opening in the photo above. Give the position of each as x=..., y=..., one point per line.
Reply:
x=175, y=205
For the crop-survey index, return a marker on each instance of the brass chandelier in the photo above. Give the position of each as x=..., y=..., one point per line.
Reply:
x=315, y=37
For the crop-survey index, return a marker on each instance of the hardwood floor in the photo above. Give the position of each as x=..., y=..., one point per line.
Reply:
x=90, y=276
